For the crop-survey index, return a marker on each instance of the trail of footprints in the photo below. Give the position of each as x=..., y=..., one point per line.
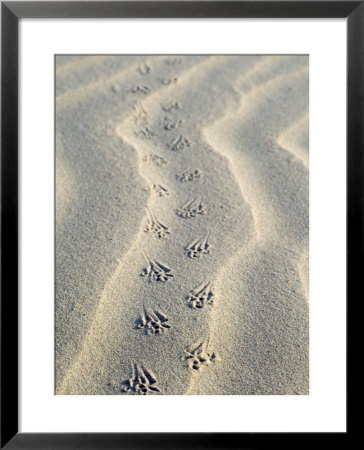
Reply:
x=154, y=322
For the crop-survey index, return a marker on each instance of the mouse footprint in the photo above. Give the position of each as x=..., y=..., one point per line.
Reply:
x=198, y=247
x=199, y=355
x=179, y=143
x=191, y=209
x=141, y=382
x=201, y=296
x=156, y=271
x=157, y=228
x=153, y=322
x=189, y=175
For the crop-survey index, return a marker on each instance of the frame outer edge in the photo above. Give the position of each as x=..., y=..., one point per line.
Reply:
x=184, y=9
x=9, y=224
x=11, y=11
x=355, y=160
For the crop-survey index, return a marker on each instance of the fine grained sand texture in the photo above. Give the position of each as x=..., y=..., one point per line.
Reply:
x=182, y=225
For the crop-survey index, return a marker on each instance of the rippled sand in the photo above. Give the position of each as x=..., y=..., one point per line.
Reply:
x=191, y=171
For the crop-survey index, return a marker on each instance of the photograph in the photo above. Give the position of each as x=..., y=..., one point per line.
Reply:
x=181, y=224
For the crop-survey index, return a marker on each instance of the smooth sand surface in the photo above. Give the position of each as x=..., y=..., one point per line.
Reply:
x=182, y=208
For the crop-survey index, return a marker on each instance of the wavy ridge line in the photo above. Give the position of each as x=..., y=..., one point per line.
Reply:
x=299, y=123
x=89, y=336
x=258, y=237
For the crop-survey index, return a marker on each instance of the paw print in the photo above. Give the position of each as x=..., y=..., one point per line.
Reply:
x=171, y=105
x=179, y=143
x=198, y=247
x=153, y=323
x=142, y=382
x=156, y=271
x=143, y=89
x=189, y=175
x=199, y=356
x=156, y=159
x=200, y=296
x=155, y=227
x=191, y=209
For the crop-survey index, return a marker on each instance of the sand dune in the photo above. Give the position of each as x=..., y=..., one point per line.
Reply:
x=182, y=225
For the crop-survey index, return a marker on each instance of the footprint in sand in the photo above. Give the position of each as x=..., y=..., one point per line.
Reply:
x=145, y=133
x=179, y=143
x=141, y=120
x=141, y=89
x=173, y=61
x=156, y=159
x=190, y=209
x=157, y=228
x=171, y=105
x=144, y=69
x=169, y=124
x=189, y=175
x=200, y=296
x=140, y=115
x=156, y=271
x=170, y=80
x=158, y=189
x=142, y=381
x=198, y=247
x=153, y=322
x=198, y=355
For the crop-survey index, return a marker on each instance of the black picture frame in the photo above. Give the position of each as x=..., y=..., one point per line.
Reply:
x=11, y=12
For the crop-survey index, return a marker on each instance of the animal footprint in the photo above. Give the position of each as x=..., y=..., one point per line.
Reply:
x=142, y=381
x=198, y=247
x=141, y=120
x=140, y=115
x=191, y=209
x=169, y=124
x=144, y=69
x=200, y=296
x=170, y=80
x=198, y=355
x=143, y=89
x=154, y=226
x=156, y=159
x=145, y=132
x=189, y=175
x=153, y=323
x=170, y=106
x=179, y=143
x=160, y=190
x=156, y=271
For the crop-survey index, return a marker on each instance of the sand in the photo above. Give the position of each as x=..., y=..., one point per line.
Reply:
x=182, y=225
